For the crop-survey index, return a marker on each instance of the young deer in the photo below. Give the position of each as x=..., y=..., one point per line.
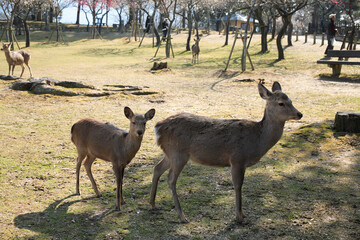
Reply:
x=95, y=139
x=220, y=142
x=195, y=51
x=16, y=58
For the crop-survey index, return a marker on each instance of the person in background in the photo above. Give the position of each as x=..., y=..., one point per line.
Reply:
x=147, y=24
x=331, y=33
x=165, y=27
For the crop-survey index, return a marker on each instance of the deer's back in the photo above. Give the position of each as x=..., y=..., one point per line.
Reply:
x=97, y=138
x=208, y=141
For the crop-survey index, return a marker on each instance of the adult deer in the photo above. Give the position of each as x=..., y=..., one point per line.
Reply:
x=95, y=139
x=195, y=51
x=220, y=142
x=14, y=58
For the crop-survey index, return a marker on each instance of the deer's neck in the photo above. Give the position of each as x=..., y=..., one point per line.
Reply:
x=271, y=131
x=132, y=145
x=9, y=57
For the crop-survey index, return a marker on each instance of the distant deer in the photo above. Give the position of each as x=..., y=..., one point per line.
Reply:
x=96, y=139
x=16, y=58
x=195, y=51
x=220, y=142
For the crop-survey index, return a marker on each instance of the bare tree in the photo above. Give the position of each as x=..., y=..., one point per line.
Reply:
x=10, y=8
x=95, y=8
x=286, y=9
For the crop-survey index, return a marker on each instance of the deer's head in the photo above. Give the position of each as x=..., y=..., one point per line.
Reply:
x=138, y=121
x=278, y=105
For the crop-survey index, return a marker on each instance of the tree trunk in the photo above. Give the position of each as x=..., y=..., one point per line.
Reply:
x=290, y=30
x=190, y=25
x=168, y=41
x=183, y=18
x=78, y=14
x=273, y=29
x=57, y=28
x=9, y=32
x=285, y=20
x=263, y=30
x=227, y=28
x=94, y=25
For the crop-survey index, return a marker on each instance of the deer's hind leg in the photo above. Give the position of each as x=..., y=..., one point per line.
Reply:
x=178, y=161
x=28, y=65
x=80, y=158
x=159, y=169
x=87, y=164
x=22, y=70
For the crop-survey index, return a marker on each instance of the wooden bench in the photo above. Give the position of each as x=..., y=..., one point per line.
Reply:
x=336, y=64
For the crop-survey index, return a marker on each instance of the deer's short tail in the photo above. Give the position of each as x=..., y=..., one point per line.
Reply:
x=157, y=130
x=72, y=130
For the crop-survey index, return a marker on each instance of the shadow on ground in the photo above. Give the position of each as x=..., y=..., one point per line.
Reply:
x=57, y=223
x=348, y=79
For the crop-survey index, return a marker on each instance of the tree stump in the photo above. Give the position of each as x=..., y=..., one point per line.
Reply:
x=159, y=66
x=347, y=122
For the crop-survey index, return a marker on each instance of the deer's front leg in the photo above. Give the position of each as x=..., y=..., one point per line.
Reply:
x=119, y=171
x=121, y=193
x=238, y=173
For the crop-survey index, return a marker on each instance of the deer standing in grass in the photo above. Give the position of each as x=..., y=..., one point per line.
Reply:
x=231, y=143
x=95, y=139
x=16, y=58
x=195, y=51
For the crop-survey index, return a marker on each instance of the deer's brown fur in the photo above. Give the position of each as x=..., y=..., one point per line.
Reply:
x=220, y=142
x=95, y=139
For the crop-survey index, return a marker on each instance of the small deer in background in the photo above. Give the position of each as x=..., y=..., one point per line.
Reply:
x=195, y=51
x=95, y=139
x=16, y=58
x=234, y=143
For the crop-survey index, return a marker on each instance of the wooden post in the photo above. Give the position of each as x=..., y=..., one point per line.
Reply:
x=142, y=38
x=157, y=49
x=355, y=42
x=153, y=35
x=314, y=38
x=232, y=49
x=336, y=69
x=297, y=35
x=306, y=33
x=322, y=39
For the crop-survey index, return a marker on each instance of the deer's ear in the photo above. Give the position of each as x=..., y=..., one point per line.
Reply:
x=264, y=92
x=128, y=113
x=276, y=86
x=150, y=114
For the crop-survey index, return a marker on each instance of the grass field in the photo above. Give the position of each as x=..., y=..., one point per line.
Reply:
x=306, y=187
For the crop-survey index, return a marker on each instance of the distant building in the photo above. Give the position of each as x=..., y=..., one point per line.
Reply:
x=238, y=20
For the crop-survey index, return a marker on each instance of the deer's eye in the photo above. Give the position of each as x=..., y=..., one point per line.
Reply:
x=134, y=123
x=281, y=104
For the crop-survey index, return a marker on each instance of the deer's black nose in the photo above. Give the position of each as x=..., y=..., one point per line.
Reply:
x=300, y=115
x=140, y=132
